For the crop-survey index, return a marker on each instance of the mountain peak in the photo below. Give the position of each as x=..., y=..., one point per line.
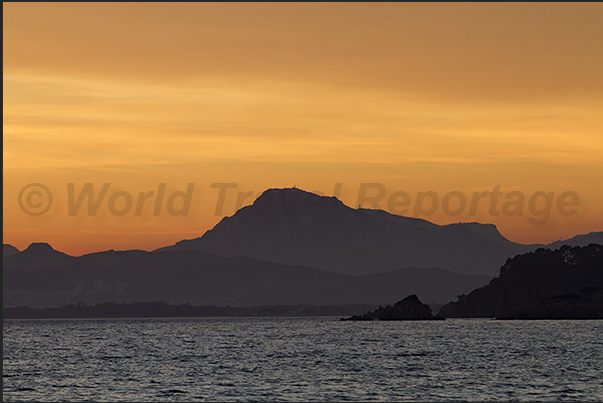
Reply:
x=38, y=255
x=294, y=201
x=287, y=192
x=39, y=247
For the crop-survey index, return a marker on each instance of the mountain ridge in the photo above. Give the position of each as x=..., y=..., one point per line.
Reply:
x=292, y=226
x=199, y=277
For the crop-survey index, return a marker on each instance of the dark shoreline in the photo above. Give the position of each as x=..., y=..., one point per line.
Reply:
x=160, y=309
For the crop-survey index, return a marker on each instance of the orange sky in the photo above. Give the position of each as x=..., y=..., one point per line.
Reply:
x=417, y=97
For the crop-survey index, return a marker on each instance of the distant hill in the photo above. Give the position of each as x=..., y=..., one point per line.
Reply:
x=291, y=226
x=579, y=240
x=8, y=250
x=203, y=278
x=561, y=283
x=36, y=256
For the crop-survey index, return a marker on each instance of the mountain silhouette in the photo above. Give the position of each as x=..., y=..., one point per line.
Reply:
x=203, y=278
x=579, y=240
x=291, y=226
x=288, y=247
x=36, y=256
x=8, y=250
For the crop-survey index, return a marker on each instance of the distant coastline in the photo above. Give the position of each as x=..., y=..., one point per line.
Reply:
x=161, y=309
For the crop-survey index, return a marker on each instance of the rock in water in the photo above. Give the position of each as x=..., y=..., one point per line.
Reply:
x=410, y=308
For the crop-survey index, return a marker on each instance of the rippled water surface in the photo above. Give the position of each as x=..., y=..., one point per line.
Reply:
x=269, y=359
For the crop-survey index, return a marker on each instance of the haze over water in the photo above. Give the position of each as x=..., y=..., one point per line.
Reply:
x=276, y=359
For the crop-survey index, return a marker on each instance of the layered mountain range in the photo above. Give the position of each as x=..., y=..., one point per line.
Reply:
x=288, y=247
x=43, y=277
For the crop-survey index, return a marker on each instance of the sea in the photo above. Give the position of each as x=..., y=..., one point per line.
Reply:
x=301, y=359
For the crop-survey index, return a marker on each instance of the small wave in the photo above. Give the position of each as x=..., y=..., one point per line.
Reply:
x=568, y=390
x=116, y=357
x=418, y=354
x=170, y=391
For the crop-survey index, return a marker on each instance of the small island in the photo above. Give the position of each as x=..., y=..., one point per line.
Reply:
x=410, y=308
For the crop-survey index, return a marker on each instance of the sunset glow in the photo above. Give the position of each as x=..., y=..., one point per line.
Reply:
x=416, y=97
